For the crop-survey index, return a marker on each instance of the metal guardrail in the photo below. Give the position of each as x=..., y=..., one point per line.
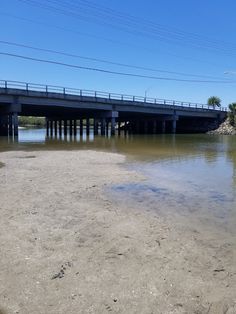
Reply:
x=99, y=94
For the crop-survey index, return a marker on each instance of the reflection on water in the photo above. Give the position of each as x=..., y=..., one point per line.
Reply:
x=185, y=173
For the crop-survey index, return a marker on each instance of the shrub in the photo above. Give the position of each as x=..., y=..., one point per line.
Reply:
x=232, y=114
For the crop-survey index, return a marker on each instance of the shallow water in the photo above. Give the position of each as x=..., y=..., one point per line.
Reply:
x=187, y=175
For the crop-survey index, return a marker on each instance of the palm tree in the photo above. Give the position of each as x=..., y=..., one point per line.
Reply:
x=214, y=101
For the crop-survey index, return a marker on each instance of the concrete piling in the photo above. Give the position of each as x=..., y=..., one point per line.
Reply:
x=65, y=128
x=75, y=128
x=95, y=126
x=47, y=127
x=55, y=128
x=15, y=124
x=60, y=128
x=113, y=126
x=87, y=126
x=71, y=128
x=174, y=126
x=10, y=125
x=51, y=127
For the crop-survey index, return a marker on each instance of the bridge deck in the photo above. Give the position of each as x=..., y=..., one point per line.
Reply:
x=56, y=102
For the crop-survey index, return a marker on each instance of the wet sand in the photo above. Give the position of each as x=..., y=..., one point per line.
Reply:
x=66, y=247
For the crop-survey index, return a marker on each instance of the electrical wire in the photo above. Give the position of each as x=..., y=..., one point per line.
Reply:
x=126, y=25
x=104, y=61
x=112, y=72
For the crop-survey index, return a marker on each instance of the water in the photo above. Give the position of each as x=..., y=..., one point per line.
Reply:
x=187, y=176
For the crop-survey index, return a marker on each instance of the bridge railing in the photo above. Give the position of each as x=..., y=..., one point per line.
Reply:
x=100, y=94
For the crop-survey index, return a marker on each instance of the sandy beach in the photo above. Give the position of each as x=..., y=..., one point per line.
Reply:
x=66, y=247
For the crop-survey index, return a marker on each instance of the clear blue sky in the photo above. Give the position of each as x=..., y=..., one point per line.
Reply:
x=193, y=37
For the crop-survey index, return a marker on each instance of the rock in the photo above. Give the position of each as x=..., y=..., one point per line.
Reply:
x=224, y=129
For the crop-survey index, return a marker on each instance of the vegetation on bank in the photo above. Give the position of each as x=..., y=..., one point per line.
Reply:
x=228, y=126
x=232, y=114
x=32, y=121
x=215, y=101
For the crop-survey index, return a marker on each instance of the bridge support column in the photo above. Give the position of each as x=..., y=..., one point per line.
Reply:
x=51, y=127
x=55, y=128
x=107, y=127
x=113, y=126
x=65, y=128
x=60, y=128
x=103, y=126
x=71, y=128
x=174, y=125
x=47, y=127
x=95, y=126
x=87, y=126
x=3, y=125
x=15, y=124
x=81, y=127
x=75, y=127
x=163, y=126
x=10, y=125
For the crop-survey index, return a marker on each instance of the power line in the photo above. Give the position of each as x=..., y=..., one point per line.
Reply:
x=105, y=61
x=103, y=38
x=144, y=22
x=131, y=25
x=111, y=72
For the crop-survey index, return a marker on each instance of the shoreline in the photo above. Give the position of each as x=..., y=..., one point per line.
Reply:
x=67, y=248
x=225, y=128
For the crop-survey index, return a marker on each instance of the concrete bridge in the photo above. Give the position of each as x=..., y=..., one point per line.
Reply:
x=67, y=110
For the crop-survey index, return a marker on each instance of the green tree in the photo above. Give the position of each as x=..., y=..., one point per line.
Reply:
x=214, y=101
x=232, y=113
